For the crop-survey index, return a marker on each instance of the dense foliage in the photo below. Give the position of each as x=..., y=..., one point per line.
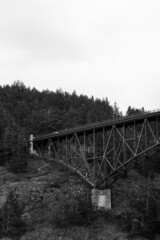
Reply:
x=11, y=223
x=24, y=111
x=32, y=111
x=46, y=111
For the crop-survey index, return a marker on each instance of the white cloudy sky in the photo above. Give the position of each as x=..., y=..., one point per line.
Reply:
x=104, y=48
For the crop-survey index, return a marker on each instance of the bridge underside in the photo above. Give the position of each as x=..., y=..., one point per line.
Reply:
x=103, y=154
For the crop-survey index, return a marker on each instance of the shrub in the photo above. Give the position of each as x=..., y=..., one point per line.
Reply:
x=11, y=224
x=72, y=212
x=18, y=162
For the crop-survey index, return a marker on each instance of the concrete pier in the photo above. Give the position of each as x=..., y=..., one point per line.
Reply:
x=101, y=199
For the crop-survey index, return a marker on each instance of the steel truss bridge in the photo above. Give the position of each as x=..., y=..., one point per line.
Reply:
x=102, y=152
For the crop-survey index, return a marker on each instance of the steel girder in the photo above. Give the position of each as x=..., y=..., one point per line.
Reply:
x=104, y=153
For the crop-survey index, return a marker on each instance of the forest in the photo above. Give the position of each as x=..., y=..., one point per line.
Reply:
x=24, y=111
x=27, y=110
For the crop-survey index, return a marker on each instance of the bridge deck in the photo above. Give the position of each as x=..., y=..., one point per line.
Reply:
x=103, y=151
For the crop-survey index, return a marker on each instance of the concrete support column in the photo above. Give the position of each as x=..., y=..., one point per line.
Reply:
x=31, y=150
x=94, y=198
x=101, y=199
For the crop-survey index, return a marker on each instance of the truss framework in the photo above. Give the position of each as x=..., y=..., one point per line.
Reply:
x=103, y=153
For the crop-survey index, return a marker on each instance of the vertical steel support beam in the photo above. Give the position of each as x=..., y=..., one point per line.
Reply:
x=66, y=149
x=84, y=152
x=104, y=162
x=124, y=145
x=145, y=133
x=75, y=145
x=114, y=148
x=157, y=135
x=135, y=137
x=157, y=129
x=103, y=139
x=94, y=156
x=84, y=142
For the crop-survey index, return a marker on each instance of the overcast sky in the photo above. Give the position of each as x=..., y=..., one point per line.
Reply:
x=104, y=48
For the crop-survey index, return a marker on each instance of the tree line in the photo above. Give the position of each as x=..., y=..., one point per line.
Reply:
x=44, y=111
x=24, y=111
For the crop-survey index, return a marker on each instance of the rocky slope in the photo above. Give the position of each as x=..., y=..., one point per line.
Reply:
x=57, y=205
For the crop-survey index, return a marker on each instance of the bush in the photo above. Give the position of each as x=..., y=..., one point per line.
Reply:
x=11, y=224
x=5, y=155
x=72, y=212
x=18, y=162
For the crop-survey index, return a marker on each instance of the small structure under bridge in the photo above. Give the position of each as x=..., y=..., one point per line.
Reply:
x=102, y=152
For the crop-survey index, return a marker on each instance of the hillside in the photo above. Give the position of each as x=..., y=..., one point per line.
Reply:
x=57, y=205
x=39, y=199
x=24, y=111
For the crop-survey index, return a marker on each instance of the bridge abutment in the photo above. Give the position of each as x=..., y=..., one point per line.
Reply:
x=101, y=199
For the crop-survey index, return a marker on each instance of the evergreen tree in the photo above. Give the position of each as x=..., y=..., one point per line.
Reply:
x=116, y=112
x=133, y=111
